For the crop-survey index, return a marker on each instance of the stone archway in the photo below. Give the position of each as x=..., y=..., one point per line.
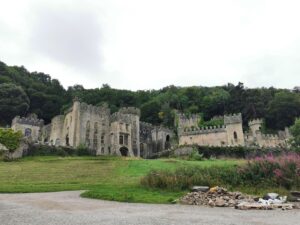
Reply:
x=124, y=151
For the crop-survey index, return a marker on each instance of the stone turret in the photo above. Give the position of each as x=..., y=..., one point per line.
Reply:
x=255, y=126
x=234, y=129
x=233, y=118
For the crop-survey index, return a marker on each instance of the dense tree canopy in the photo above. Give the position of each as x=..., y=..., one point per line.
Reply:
x=295, y=131
x=48, y=98
x=13, y=101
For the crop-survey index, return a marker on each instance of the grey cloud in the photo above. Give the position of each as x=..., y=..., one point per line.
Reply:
x=69, y=36
x=280, y=70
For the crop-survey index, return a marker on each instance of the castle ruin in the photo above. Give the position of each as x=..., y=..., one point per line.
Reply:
x=120, y=133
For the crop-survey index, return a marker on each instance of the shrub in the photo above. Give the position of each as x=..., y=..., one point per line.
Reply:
x=185, y=177
x=82, y=150
x=238, y=151
x=194, y=155
x=281, y=171
x=10, y=139
x=47, y=150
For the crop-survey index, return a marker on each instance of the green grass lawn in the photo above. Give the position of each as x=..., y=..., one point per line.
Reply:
x=110, y=178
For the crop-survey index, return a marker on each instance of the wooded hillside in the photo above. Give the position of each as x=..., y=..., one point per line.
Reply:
x=22, y=92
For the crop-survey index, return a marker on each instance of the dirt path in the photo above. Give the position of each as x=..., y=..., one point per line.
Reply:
x=69, y=208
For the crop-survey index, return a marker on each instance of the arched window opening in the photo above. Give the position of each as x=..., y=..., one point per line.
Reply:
x=124, y=151
x=102, y=138
x=142, y=149
x=121, y=139
x=235, y=136
x=87, y=133
x=67, y=140
x=167, y=144
x=95, y=139
x=28, y=132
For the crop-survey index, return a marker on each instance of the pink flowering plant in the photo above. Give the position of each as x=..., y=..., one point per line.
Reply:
x=261, y=172
x=283, y=171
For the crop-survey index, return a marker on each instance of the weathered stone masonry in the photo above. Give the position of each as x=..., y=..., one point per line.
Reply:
x=229, y=134
x=120, y=133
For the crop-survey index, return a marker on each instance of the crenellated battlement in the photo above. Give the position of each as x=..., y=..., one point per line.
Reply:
x=84, y=107
x=233, y=118
x=269, y=136
x=202, y=130
x=31, y=119
x=255, y=122
x=130, y=110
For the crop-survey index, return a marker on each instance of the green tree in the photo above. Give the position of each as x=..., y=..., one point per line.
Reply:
x=295, y=131
x=10, y=139
x=13, y=102
x=283, y=109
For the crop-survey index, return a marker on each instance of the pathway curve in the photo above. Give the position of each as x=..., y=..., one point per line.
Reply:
x=70, y=209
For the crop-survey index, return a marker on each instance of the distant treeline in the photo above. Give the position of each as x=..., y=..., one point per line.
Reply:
x=22, y=92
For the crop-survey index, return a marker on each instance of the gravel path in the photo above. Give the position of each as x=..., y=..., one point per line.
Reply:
x=69, y=208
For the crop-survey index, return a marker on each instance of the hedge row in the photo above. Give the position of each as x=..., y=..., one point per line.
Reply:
x=238, y=152
x=47, y=150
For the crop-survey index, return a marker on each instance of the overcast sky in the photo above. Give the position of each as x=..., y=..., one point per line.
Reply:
x=149, y=44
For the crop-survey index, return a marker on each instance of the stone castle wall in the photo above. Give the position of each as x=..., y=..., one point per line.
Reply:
x=206, y=136
x=30, y=126
x=231, y=134
x=187, y=121
x=93, y=126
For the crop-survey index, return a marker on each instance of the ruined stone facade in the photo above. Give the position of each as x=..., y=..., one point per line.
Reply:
x=153, y=139
x=120, y=133
x=30, y=126
x=229, y=134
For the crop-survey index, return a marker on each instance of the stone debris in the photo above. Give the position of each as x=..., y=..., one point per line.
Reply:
x=258, y=205
x=220, y=197
x=216, y=196
x=200, y=188
x=272, y=196
x=295, y=196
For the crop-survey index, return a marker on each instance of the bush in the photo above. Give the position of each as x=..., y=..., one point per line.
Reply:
x=195, y=155
x=282, y=171
x=184, y=178
x=238, y=152
x=47, y=150
x=10, y=139
x=82, y=150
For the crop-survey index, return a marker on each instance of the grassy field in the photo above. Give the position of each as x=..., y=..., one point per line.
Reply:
x=110, y=178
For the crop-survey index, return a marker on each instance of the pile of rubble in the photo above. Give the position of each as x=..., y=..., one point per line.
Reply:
x=220, y=197
x=216, y=196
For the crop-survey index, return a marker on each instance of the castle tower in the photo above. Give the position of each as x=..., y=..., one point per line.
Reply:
x=125, y=132
x=234, y=129
x=255, y=125
x=74, y=132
